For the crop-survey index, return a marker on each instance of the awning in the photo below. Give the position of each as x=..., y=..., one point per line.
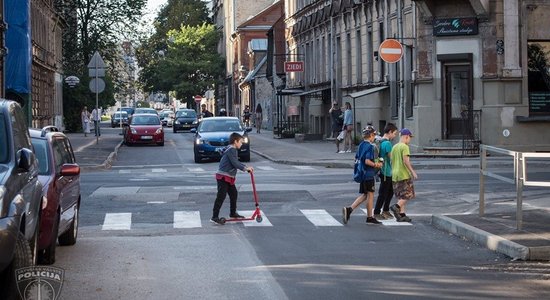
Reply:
x=366, y=92
x=289, y=91
x=311, y=92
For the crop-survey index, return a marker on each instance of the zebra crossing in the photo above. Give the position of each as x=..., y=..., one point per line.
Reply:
x=192, y=219
x=211, y=168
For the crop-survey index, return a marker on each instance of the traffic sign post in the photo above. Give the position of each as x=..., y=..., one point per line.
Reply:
x=96, y=69
x=390, y=51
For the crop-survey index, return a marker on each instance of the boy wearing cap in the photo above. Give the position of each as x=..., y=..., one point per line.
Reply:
x=402, y=175
x=385, y=192
x=365, y=154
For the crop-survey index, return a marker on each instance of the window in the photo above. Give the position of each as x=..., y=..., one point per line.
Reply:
x=370, y=57
x=3, y=141
x=41, y=152
x=539, y=77
x=381, y=63
x=348, y=58
x=358, y=58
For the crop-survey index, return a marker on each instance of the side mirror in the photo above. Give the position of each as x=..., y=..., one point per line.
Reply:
x=70, y=170
x=25, y=159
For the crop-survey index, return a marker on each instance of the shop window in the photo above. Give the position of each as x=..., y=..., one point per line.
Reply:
x=539, y=77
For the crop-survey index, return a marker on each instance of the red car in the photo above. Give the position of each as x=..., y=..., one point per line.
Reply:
x=144, y=129
x=60, y=177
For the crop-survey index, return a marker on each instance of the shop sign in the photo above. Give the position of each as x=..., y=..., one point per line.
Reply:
x=294, y=66
x=455, y=26
x=539, y=103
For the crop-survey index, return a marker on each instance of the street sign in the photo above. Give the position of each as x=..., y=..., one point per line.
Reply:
x=97, y=85
x=391, y=51
x=294, y=66
x=72, y=81
x=198, y=98
x=96, y=62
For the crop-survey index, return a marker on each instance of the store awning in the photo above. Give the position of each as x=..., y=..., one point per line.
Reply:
x=366, y=92
x=289, y=91
x=311, y=92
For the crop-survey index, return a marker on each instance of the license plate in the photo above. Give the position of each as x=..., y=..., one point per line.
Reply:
x=146, y=137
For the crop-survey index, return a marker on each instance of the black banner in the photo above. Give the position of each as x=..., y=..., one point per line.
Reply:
x=455, y=26
x=539, y=103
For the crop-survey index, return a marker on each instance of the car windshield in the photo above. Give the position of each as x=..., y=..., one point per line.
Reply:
x=41, y=151
x=186, y=114
x=209, y=125
x=145, y=111
x=128, y=110
x=3, y=141
x=117, y=115
x=145, y=120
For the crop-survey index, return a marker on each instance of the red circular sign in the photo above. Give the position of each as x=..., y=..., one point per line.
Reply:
x=198, y=98
x=390, y=51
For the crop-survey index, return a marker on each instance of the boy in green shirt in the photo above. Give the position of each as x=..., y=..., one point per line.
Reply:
x=402, y=175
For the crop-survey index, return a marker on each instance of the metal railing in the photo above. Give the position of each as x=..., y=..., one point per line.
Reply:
x=471, y=131
x=287, y=129
x=520, y=177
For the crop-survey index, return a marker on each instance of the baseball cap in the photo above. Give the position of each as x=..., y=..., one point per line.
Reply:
x=406, y=131
x=368, y=130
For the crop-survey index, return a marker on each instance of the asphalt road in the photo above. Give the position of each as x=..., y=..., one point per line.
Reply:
x=145, y=234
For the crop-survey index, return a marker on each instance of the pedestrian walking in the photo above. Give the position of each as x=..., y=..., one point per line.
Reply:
x=205, y=112
x=385, y=192
x=246, y=116
x=259, y=118
x=365, y=155
x=348, y=127
x=85, y=119
x=223, y=112
x=96, y=117
x=337, y=121
x=226, y=175
x=403, y=175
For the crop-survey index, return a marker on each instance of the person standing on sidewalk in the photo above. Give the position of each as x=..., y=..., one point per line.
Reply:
x=337, y=121
x=348, y=127
x=225, y=176
x=96, y=117
x=402, y=175
x=259, y=118
x=85, y=118
x=385, y=192
x=365, y=155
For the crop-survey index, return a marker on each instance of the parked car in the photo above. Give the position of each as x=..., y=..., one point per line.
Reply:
x=167, y=118
x=146, y=110
x=20, y=197
x=212, y=135
x=185, y=119
x=60, y=177
x=144, y=129
x=118, y=117
x=128, y=110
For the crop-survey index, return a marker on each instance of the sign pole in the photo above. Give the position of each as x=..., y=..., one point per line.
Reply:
x=96, y=105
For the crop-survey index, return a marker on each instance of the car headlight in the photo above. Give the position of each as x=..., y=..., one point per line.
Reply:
x=245, y=140
x=195, y=122
x=133, y=131
x=158, y=131
x=199, y=141
x=177, y=122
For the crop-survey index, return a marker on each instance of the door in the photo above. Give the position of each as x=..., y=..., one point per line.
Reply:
x=457, y=108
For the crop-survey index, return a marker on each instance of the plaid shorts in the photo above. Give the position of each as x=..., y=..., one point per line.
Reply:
x=404, y=189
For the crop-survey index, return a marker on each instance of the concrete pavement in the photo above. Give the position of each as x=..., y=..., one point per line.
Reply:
x=496, y=230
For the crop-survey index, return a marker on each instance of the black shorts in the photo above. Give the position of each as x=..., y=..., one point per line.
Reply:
x=366, y=186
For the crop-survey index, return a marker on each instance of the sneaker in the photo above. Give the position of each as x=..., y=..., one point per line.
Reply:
x=236, y=216
x=404, y=218
x=386, y=215
x=341, y=151
x=396, y=212
x=217, y=221
x=346, y=212
x=379, y=217
x=372, y=220
x=348, y=151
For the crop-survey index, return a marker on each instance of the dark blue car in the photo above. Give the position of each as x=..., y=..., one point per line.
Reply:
x=212, y=135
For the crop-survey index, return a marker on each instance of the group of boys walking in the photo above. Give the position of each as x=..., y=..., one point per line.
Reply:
x=396, y=175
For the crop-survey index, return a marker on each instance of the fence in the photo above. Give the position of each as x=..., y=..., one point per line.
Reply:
x=520, y=177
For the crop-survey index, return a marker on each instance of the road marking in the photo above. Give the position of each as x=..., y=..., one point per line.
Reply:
x=304, y=167
x=139, y=179
x=117, y=221
x=391, y=222
x=195, y=169
x=187, y=219
x=320, y=217
x=248, y=213
x=266, y=168
x=115, y=191
x=156, y=202
x=158, y=170
x=124, y=171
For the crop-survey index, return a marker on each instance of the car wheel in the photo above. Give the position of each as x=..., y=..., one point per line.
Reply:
x=68, y=238
x=47, y=256
x=22, y=257
x=197, y=157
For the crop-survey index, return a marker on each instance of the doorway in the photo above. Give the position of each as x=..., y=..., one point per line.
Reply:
x=457, y=102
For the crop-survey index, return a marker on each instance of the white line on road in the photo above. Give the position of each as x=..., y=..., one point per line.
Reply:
x=117, y=221
x=124, y=171
x=304, y=167
x=156, y=202
x=195, y=169
x=187, y=219
x=158, y=170
x=320, y=217
x=248, y=213
x=266, y=168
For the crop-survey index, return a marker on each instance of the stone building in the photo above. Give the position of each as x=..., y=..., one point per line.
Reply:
x=2, y=48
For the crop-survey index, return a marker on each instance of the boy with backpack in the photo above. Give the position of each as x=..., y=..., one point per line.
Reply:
x=385, y=193
x=365, y=156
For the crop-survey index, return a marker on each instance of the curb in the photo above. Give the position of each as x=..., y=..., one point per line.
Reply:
x=490, y=241
x=304, y=163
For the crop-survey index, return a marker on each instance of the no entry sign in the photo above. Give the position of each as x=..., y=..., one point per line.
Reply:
x=390, y=51
x=198, y=98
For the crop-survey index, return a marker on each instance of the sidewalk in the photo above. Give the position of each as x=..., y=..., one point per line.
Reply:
x=496, y=230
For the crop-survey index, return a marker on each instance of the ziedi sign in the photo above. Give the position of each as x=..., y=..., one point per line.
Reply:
x=390, y=51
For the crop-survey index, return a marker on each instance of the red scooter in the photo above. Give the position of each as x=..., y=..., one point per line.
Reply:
x=257, y=215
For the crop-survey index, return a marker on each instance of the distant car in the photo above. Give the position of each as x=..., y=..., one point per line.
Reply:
x=20, y=197
x=212, y=135
x=144, y=129
x=128, y=110
x=146, y=110
x=185, y=119
x=167, y=118
x=118, y=117
x=60, y=178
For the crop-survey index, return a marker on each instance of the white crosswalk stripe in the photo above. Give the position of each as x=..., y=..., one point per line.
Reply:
x=117, y=221
x=265, y=168
x=187, y=219
x=159, y=170
x=304, y=167
x=124, y=171
x=248, y=213
x=391, y=222
x=320, y=217
x=195, y=169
